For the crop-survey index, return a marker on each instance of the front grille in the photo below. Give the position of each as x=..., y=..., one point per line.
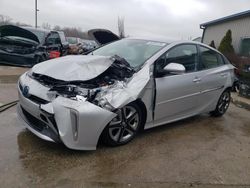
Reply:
x=34, y=122
x=37, y=99
x=42, y=127
x=33, y=98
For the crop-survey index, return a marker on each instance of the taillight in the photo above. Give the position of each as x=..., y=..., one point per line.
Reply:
x=54, y=54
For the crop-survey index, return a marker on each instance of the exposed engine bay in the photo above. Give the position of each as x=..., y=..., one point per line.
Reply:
x=90, y=90
x=16, y=48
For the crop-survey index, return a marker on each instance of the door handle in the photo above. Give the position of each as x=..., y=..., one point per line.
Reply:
x=196, y=79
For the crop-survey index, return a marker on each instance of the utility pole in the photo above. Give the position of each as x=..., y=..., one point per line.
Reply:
x=36, y=10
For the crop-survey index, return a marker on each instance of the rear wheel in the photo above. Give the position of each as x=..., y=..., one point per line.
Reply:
x=123, y=128
x=222, y=104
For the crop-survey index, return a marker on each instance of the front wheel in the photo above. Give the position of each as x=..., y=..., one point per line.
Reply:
x=222, y=104
x=123, y=128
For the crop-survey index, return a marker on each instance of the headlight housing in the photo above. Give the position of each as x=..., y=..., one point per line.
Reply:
x=80, y=94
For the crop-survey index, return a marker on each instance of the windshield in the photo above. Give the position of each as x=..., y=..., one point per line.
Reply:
x=72, y=40
x=136, y=52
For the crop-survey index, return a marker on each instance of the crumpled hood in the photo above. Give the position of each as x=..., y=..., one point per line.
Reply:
x=11, y=30
x=72, y=68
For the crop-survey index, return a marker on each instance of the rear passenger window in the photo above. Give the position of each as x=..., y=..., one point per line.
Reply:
x=210, y=58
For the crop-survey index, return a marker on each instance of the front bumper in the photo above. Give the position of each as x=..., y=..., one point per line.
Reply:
x=76, y=124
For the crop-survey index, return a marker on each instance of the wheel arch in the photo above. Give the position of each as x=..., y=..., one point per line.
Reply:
x=141, y=104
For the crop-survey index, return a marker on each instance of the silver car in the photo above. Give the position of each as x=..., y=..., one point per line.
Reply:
x=121, y=88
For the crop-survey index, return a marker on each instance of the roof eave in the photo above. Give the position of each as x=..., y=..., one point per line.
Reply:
x=224, y=19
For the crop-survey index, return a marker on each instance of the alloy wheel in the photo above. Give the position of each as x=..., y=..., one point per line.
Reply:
x=124, y=126
x=224, y=102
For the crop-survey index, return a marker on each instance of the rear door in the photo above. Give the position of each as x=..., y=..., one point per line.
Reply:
x=213, y=78
x=177, y=96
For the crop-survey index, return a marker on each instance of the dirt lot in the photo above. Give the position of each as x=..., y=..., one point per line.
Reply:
x=198, y=152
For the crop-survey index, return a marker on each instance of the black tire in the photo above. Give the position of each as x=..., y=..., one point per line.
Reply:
x=222, y=104
x=120, y=130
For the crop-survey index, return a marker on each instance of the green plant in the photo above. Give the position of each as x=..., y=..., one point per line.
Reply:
x=212, y=44
x=226, y=46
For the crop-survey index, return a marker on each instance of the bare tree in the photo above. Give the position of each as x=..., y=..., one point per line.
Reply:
x=46, y=25
x=4, y=20
x=57, y=28
x=121, y=30
x=74, y=32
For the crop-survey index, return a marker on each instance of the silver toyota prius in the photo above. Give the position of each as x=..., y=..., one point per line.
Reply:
x=120, y=88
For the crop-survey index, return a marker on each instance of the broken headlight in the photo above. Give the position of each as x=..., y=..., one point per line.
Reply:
x=73, y=92
x=80, y=94
x=105, y=104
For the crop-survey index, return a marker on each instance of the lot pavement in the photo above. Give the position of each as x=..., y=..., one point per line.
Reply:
x=10, y=74
x=198, y=152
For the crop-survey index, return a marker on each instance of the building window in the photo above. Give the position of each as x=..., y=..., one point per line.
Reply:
x=245, y=47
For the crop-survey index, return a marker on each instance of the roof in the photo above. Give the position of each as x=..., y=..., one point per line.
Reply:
x=227, y=18
x=154, y=38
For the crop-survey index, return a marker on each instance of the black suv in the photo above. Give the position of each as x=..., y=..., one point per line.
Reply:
x=27, y=46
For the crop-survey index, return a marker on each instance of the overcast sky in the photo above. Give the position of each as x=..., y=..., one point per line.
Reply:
x=178, y=19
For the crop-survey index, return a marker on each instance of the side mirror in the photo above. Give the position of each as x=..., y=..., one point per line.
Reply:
x=175, y=68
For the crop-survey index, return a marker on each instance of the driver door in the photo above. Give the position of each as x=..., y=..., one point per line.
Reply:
x=53, y=42
x=177, y=95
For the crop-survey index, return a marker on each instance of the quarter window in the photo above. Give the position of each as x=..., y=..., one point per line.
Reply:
x=210, y=58
x=185, y=54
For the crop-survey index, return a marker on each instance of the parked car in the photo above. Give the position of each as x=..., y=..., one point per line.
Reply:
x=79, y=46
x=120, y=88
x=27, y=46
x=75, y=45
x=88, y=45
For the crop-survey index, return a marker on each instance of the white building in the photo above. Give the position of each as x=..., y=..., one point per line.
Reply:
x=239, y=24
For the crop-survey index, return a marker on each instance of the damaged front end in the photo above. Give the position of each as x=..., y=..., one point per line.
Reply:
x=117, y=75
x=78, y=110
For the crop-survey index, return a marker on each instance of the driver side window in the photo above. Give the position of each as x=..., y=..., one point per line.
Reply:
x=185, y=54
